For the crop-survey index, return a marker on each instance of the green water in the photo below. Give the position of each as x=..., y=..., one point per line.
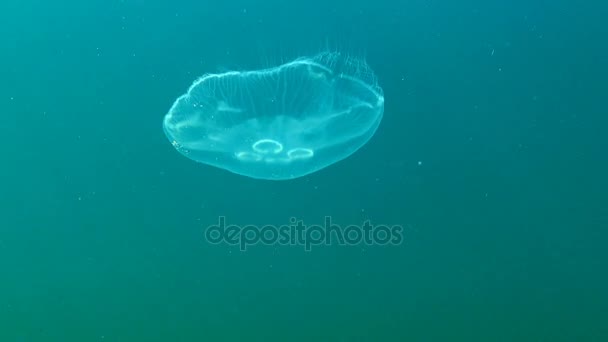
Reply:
x=491, y=156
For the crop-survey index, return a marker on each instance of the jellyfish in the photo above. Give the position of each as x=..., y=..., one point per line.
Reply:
x=278, y=123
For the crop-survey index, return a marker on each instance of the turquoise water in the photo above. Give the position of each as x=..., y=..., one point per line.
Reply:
x=491, y=157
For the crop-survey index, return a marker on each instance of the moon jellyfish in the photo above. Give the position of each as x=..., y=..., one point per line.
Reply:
x=279, y=123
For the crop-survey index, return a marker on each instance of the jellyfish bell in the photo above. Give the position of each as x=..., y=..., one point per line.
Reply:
x=278, y=123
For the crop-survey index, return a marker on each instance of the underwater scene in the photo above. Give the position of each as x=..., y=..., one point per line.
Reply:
x=265, y=170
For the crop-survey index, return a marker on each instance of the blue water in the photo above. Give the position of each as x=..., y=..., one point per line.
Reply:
x=490, y=158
